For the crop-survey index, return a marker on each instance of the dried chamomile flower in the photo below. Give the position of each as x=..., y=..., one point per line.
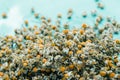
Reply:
x=65, y=31
x=36, y=15
x=1, y=74
x=103, y=73
x=84, y=14
x=4, y=15
x=112, y=75
x=26, y=22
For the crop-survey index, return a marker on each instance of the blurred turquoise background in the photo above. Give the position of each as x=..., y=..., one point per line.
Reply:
x=20, y=10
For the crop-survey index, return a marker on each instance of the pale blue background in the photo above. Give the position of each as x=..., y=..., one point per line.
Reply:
x=19, y=10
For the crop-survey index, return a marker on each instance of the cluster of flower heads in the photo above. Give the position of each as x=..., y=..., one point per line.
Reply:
x=46, y=53
x=53, y=52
